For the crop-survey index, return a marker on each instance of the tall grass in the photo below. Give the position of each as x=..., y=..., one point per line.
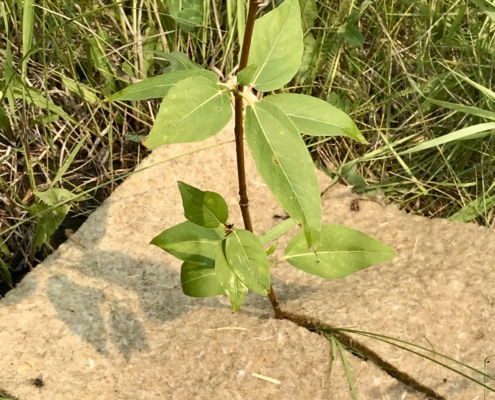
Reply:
x=412, y=50
x=389, y=63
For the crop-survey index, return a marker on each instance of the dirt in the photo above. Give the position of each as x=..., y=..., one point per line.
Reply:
x=104, y=316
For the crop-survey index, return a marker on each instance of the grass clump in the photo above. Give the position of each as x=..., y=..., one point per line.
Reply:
x=408, y=48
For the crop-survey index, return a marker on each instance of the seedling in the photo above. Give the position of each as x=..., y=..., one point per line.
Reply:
x=219, y=258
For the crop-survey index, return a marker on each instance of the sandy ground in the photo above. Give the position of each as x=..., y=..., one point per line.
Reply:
x=104, y=317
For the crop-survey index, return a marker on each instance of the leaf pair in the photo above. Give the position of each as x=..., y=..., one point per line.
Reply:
x=216, y=260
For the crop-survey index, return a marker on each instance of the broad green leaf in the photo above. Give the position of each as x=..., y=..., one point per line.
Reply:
x=341, y=252
x=247, y=258
x=187, y=13
x=285, y=165
x=189, y=19
x=207, y=209
x=200, y=280
x=309, y=12
x=48, y=219
x=349, y=173
x=235, y=289
x=351, y=34
x=193, y=110
x=349, y=30
x=316, y=117
x=190, y=242
x=158, y=86
x=178, y=61
x=277, y=46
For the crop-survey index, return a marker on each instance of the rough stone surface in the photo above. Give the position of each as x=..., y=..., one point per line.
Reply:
x=104, y=316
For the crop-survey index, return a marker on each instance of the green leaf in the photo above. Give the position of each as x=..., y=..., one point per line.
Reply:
x=309, y=12
x=316, y=117
x=158, y=86
x=488, y=9
x=351, y=34
x=277, y=46
x=193, y=110
x=200, y=280
x=48, y=219
x=27, y=33
x=187, y=13
x=285, y=165
x=349, y=172
x=341, y=252
x=5, y=124
x=271, y=249
x=178, y=61
x=190, y=19
x=245, y=77
x=349, y=30
x=207, y=209
x=53, y=197
x=308, y=58
x=190, y=242
x=235, y=289
x=247, y=258
x=5, y=273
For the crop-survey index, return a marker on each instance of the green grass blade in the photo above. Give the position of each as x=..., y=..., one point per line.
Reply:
x=63, y=169
x=27, y=34
x=277, y=231
x=471, y=132
x=348, y=371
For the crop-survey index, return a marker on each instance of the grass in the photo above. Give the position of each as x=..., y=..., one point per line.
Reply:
x=412, y=49
x=420, y=73
x=62, y=60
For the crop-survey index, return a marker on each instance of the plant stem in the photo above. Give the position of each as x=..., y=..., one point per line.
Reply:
x=239, y=140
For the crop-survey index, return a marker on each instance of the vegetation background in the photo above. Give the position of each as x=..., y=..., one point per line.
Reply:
x=415, y=75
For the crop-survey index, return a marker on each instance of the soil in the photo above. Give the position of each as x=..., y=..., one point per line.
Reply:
x=104, y=316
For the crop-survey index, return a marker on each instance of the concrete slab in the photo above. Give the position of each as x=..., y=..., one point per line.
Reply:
x=104, y=316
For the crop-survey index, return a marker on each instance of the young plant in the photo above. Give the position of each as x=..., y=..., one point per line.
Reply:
x=217, y=257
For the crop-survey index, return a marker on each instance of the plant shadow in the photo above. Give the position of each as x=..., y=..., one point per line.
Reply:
x=129, y=290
